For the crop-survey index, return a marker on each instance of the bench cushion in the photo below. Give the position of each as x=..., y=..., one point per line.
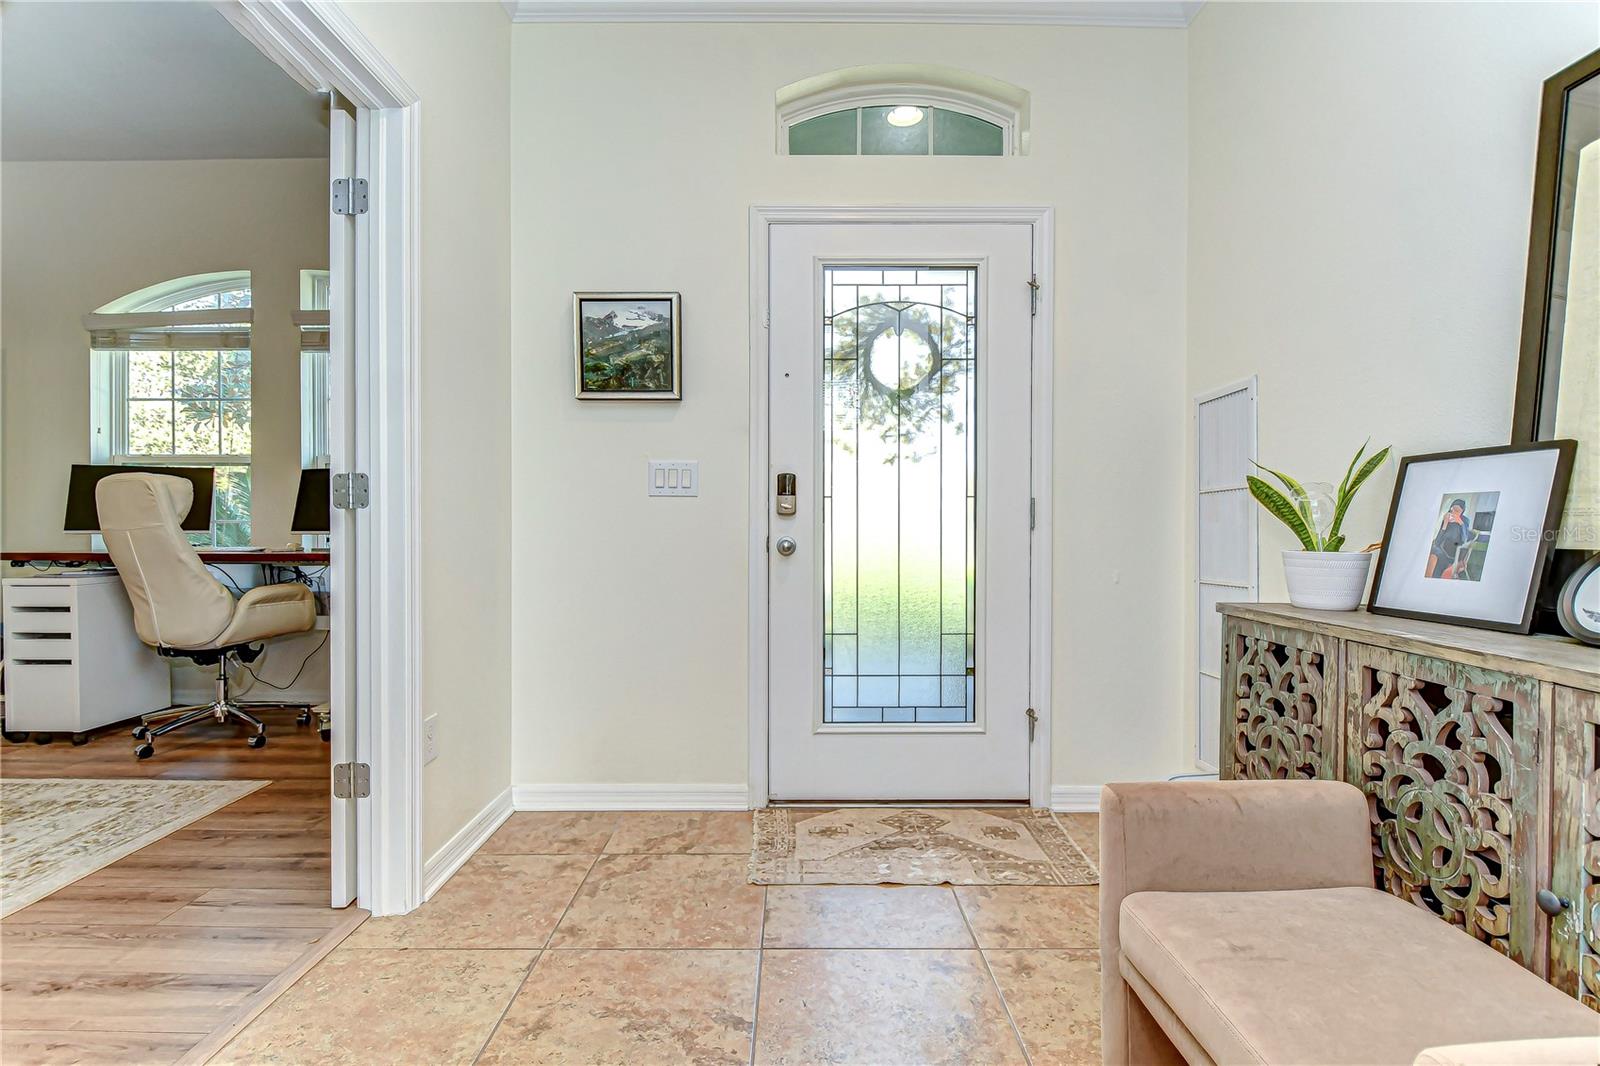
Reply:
x=1332, y=975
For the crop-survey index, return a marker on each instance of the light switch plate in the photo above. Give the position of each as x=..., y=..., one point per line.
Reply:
x=672, y=477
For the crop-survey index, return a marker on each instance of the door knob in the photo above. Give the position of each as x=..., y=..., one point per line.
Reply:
x=786, y=545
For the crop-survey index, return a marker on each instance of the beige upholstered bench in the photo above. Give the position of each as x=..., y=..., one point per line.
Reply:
x=1239, y=924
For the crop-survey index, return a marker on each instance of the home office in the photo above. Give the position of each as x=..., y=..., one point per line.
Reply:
x=165, y=545
x=87, y=643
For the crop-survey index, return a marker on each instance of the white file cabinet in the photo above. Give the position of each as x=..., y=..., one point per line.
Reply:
x=73, y=660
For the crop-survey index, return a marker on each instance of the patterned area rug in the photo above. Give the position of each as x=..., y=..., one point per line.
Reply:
x=920, y=846
x=56, y=830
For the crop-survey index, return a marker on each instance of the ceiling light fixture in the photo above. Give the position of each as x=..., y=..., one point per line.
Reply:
x=905, y=115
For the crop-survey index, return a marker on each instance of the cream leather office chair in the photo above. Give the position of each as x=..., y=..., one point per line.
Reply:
x=178, y=607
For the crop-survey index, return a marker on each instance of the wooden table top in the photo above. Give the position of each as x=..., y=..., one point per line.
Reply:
x=241, y=556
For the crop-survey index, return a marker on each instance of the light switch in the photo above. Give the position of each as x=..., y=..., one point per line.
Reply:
x=672, y=477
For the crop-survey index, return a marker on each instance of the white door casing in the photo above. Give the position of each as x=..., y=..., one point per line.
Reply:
x=987, y=758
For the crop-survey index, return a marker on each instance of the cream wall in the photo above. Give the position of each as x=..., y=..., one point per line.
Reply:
x=1360, y=178
x=80, y=234
x=637, y=151
x=456, y=57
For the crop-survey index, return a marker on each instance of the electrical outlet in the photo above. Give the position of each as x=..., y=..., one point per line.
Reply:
x=430, y=738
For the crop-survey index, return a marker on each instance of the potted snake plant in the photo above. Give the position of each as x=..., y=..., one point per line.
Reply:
x=1321, y=575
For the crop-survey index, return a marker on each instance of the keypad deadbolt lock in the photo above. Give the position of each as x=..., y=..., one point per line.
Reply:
x=786, y=494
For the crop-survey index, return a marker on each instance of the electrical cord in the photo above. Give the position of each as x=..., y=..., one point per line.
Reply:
x=226, y=577
x=303, y=663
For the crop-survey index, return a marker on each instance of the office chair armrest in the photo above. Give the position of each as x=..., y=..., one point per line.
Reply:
x=270, y=611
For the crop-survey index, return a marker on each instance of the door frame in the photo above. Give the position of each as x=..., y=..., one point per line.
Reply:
x=1042, y=219
x=321, y=48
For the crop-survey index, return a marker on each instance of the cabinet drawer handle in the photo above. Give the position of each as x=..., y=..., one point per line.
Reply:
x=1551, y=903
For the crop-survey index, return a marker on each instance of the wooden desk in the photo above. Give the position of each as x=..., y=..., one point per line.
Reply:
x=236, y=556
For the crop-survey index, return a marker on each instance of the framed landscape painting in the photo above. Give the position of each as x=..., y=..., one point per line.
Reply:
x=627, y=346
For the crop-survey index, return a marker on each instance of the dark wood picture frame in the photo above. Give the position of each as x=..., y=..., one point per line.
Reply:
x=1565, y=449
x=1532, y=364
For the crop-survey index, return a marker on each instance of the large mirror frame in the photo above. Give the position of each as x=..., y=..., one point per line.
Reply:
x=1539, y=368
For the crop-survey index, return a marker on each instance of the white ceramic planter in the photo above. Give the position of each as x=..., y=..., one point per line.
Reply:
x=1326, y=581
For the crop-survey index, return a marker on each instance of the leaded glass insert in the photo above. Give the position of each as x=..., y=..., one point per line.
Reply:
x=899, y=500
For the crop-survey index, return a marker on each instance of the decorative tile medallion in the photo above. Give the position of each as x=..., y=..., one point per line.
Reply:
x=924, y=846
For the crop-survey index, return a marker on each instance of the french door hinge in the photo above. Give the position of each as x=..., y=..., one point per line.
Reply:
x=1033, y=513
x=350, y=492
x=1033, y=723
x=349, y=196
x=1033, y=295
x=352, y=780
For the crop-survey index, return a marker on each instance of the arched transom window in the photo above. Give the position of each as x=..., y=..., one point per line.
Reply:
x=902, y=110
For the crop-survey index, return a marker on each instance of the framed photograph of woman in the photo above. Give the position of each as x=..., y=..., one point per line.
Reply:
x=1468, y=533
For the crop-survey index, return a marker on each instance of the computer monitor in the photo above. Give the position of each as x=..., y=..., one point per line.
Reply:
x=311, y=510
x=83, y=517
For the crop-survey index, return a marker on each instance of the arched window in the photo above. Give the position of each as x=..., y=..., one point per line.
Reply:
x=170, y=385
x=902, y=109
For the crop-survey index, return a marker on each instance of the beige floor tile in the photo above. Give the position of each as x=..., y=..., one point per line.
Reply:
x=1054, y=998
x=664, y=901
x=494, y=901
x=1009, y=916
x=436, y=1007
x=881, y=1007
x=682, y=833
x=553, y=833
x=631, y=1007
x=1084, y=829
x=864, y=916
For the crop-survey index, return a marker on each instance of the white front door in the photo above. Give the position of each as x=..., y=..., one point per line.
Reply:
x=898, y=587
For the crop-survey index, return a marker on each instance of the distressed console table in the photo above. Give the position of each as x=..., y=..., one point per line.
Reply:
x=1479, y=753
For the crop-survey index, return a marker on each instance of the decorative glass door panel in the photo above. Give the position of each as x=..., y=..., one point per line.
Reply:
x=899, y=494
x=899, y=439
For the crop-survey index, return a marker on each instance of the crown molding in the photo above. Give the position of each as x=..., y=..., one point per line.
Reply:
x=1134, y=13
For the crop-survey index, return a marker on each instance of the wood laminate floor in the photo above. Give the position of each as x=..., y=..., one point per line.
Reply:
x=140, y=961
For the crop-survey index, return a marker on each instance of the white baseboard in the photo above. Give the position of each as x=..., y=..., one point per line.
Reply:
x=1075, y=798
x=459, y=848
x=630, y=797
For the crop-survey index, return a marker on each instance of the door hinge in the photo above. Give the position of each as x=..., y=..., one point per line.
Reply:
x=351, y=492
x=1033, y=723
x=352, y=780
x=349, y=196
x=1033, y=295
x=1033, y=513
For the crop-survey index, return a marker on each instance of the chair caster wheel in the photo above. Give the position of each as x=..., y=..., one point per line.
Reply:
x=145, y=750
x=16, y=738
x=79, y=739
x=140, y=732
x=304, y=718
x=257, y=741
x=326, y=734
x=42, y=738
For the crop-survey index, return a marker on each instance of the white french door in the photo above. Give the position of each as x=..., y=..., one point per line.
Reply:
x=342, y=539
x=898, y=577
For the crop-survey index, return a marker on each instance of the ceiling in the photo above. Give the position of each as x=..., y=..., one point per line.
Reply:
x=1154, y=13
x=102, y=81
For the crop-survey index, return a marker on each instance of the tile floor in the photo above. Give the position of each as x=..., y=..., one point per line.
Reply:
x=635, y=938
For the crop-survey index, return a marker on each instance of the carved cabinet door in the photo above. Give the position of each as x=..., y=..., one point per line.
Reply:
x=1445, y=754
x=1280, y=709
x=1575, y=858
